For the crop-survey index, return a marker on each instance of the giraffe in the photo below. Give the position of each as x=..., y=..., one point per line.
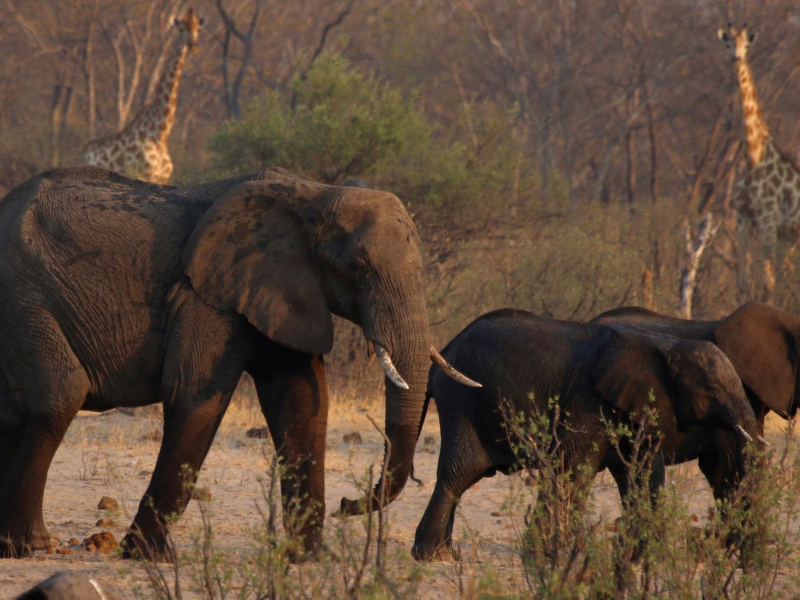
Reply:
x=767, y=197
x=140, y=150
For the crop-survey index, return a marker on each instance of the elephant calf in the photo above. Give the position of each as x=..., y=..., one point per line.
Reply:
x=592, y=370
x=763, y=343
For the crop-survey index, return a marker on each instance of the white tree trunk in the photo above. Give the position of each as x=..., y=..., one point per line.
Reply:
x=693, y=251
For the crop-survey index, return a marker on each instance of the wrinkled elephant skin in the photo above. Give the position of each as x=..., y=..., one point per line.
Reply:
x=762, y=342
x=123, y=293
x=592, y=371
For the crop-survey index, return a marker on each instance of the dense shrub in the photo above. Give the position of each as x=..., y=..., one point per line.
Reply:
x=336, y=122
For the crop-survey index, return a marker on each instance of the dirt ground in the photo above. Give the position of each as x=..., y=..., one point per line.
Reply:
x=114, y=454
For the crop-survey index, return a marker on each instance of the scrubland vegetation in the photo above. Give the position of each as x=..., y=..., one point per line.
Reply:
x=655, y=549
x=553, y=155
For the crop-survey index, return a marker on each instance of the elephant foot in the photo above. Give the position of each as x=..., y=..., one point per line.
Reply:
x=21, y=542
x=318, y=555
x=308, y=548
x=434, y=552
x=350, y=508
x=153, y=547
x=733, y=541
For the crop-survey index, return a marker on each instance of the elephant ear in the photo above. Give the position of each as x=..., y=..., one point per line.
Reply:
x=250, y=254
x=625, y=369
x=760, y=344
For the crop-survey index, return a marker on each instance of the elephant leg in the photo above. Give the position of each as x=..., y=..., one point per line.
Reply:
x=620, y=472
x=630, y=545
x=22, y=527
x=658, y=476
x=55, y=387
x=563, y=490
x=10, y=443
x=204, y=362
x=462, y=463
x=294, y=398
x=718, y=463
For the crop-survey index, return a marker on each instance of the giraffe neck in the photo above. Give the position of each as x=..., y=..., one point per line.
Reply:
x=757, y=130
x=162, y=108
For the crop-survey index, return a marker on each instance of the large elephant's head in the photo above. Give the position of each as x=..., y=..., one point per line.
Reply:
x=762, y=343
x=286, y=253
x=692, y=382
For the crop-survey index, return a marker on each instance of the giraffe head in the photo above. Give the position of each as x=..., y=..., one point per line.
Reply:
x=737, y=42
x=189, y=27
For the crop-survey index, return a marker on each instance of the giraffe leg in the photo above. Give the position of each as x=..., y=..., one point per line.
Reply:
x=769, y=279
x=770, y=242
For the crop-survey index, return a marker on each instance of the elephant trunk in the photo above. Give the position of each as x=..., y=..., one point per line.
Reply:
x=409, y=354
x=740, y=418
x=737, y=415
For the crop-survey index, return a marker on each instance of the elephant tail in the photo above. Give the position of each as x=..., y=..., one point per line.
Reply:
x=419, y=432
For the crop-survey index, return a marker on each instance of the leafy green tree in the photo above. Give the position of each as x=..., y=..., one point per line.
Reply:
x=332, y=123
x=337, y=122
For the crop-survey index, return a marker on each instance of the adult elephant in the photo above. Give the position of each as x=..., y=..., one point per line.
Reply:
x=593, y=371
x=762, y=343
x=123, y=293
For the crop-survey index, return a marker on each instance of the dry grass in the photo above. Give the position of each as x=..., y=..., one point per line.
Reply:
x=114, y=455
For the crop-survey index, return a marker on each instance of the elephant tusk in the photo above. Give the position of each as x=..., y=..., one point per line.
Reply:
x=388, y=366
x=740, y=430
x=450, y=371
x=763, y=441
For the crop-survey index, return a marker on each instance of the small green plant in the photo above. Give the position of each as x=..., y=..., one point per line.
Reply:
x=656, y=548
x=560, y=546
x=357, y=561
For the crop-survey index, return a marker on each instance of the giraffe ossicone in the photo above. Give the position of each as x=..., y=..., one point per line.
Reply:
x=140, y=150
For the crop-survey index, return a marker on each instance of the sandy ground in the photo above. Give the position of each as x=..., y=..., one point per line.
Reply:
x=114, y=455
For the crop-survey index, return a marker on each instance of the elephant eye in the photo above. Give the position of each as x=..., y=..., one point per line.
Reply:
x=358, y=268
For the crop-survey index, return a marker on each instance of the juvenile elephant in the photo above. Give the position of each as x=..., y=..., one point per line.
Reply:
x=123, y=293
x=591, y=370
x=762, y=343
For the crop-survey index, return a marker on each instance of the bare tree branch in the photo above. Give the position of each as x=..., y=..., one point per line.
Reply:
x=232, y=86
x=321, y=45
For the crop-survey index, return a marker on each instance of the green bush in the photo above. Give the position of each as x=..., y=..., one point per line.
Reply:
x=336, y=122
x=332, y=123
x=656, y=548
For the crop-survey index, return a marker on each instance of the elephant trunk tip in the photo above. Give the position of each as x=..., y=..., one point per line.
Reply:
x=367, y=504
x=378, y=497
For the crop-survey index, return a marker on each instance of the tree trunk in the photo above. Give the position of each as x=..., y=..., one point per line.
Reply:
x=693, y=252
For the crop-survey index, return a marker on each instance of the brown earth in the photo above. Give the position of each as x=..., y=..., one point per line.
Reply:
x=114, y=455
